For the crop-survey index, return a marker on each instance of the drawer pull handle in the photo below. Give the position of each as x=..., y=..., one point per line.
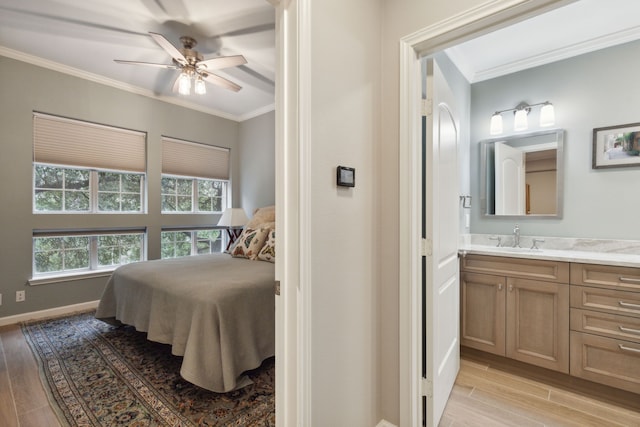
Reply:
x=499, y=286
x=628, y=279
x=511, y=289
x=629, y=330
x=629, y=305
x=624, y=347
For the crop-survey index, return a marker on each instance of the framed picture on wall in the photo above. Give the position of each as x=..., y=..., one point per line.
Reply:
x=616, y=146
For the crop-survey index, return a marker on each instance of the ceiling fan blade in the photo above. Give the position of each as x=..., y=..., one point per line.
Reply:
x=169, y=48
x=221, y=81
x=222, y=62
x=148, y=64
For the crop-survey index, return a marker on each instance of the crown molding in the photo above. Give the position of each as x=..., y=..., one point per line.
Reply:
x=609, y=40
x=258, y=112
x=65, y=69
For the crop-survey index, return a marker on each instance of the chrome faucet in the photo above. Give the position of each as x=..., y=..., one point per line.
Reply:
x=516, y=236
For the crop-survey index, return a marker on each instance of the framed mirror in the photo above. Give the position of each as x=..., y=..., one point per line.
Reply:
x=522, y=175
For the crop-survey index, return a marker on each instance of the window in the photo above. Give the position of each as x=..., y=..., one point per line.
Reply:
x=60, y=189
x=87, y=167
x=194, y=177
x=181, y=194
x=61, y=254
x=179, y=243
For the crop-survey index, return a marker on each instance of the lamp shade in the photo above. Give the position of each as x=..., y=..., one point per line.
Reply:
x=520, y=121
x=184, y=84
x=233, y=217
x=547, y=115
x=496, y=124
x=200, y=89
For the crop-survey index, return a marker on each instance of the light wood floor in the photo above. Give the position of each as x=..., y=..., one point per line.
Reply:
x=493, y=391
x=488, y=392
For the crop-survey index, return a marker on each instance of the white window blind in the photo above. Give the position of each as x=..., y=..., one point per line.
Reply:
x=193, y=159
x=62, y=141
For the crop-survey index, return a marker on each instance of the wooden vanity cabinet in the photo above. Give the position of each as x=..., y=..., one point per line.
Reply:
x=605, y=325
x=518, y=308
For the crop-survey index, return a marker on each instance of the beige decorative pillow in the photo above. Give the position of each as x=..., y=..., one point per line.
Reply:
x=268, y=251
x=261, y=216
x=249, y=243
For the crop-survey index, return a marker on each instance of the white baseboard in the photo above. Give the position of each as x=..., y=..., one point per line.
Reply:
x=44, y=314
x=385, y=423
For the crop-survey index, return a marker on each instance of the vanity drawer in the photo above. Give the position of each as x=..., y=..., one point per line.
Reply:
x=611, y=325
x=608, y=300
x=606, y=276
x=550, y=271
x=606, y=361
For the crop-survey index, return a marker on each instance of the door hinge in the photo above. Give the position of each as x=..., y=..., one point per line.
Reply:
x=426, y=388
x=426, y=107
x=276, y=287
x=426, y=247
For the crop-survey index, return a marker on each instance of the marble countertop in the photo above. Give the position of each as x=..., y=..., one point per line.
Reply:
x=625, y=253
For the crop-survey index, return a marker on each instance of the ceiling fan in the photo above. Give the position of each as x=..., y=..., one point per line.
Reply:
x=193, y=66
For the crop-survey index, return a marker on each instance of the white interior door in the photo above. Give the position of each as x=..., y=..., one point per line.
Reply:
x=441, y=284
x=510, y=180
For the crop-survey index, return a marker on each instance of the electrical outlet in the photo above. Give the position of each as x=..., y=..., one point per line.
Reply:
x=20, y=296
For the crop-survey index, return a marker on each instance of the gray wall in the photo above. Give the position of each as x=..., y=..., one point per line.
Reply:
x=589, y=91
x=257, y=155
x=25, y=88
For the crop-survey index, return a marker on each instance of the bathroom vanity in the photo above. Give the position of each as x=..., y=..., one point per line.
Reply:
x=572, y=311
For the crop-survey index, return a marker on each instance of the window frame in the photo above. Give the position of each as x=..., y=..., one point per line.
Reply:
x=194, y=195
x=94, y=191
x=94, y=269
x=193, y=239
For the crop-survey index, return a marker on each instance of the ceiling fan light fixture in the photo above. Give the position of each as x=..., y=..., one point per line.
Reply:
x=200, y=87
x=184, y=84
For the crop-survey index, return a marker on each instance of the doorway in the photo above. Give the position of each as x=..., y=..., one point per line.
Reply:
x=429, y=41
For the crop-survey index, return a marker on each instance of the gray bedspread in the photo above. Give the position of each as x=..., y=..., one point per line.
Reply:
x=216, y=311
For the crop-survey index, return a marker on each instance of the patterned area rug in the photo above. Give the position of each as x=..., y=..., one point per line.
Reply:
x=101, y=375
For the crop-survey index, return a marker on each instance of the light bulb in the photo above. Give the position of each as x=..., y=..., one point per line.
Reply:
x=496, y=124
x=547, y=115
x=184, y=84
x=520, y=121
x=200, y=88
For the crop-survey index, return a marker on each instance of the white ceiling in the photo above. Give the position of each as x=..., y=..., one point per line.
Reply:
x=577, y=28
x=83, y=37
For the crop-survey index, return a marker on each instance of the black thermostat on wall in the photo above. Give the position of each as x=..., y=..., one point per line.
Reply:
x=346, y=177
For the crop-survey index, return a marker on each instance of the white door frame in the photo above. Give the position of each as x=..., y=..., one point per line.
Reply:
x=293, y=306
x=429, y=40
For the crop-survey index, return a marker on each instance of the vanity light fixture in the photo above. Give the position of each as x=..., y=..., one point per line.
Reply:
x=520, y=121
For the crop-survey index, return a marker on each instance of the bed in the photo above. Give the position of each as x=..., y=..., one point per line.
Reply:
x=216, y=311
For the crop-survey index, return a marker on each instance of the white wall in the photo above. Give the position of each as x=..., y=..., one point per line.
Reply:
x=344, y=130
x=257, y=158
x=593, y=90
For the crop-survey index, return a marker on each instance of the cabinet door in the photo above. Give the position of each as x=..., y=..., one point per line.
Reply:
x=482, y=312
x=538, y=323
x=606, y=360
